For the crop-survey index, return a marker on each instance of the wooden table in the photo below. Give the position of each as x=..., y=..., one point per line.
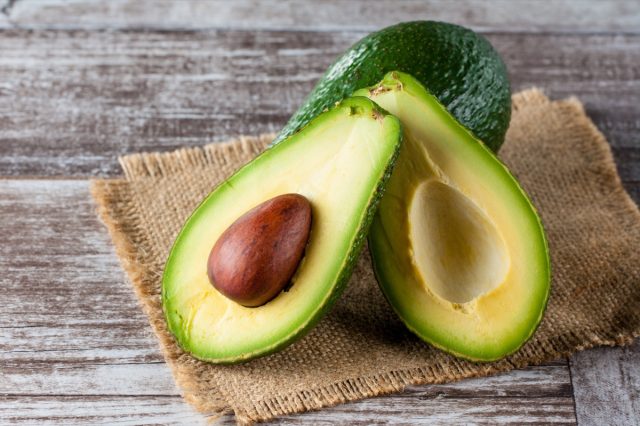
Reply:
x=82, y=82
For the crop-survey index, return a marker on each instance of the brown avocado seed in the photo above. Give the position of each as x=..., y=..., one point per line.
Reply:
x=256, y=257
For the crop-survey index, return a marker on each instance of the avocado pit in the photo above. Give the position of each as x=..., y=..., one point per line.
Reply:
x=256, y=257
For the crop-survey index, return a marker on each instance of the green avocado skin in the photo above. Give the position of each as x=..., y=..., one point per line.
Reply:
x=454, y=63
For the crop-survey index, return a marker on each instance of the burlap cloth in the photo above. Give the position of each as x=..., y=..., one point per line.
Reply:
x=360, y=349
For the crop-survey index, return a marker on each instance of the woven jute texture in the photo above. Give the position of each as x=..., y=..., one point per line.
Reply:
x=360, y=349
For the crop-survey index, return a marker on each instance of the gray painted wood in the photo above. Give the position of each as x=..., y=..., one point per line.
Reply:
x=4, y=16
x=331, y=15
x=604, y=378
x=97, y=410
x=415, y=406
x=72, y=101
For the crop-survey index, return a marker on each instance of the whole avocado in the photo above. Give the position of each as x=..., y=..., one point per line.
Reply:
x=457, y=65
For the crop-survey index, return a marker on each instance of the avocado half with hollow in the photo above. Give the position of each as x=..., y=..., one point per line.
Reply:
x=339, y=163
x=457, y=246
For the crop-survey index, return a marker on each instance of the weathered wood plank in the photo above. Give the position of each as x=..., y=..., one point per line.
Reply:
x=628, y=162
x=72, y=101
x=51, y=377
x=604, y=378
x=103, y=410
x=501, y=15
x=85, y=378
x=64, y=295
x=416, y=406
x=4, y=18
x=633, y=188
x=74, y=345
x=437, y=408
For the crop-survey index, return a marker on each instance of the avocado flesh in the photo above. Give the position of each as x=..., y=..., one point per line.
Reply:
x=340, y=163
x=458, y=249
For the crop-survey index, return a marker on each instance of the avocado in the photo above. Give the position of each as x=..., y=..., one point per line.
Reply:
x=457, y=65
x=339, y=163
x=457, y=247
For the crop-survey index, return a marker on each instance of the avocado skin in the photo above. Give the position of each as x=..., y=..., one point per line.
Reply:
x=454, y=63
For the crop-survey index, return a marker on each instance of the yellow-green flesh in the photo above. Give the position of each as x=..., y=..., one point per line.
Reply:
x=337, y=163
x=459, y=251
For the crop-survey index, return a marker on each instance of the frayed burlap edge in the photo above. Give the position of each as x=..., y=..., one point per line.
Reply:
x=125, y=230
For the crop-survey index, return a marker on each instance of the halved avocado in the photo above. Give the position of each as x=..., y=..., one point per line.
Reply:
x=458, y=248
x=340, y=163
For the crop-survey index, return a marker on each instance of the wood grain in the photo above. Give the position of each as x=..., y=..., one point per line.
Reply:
x=330, y=15
x=411, y=409
x=4, y=15
x=415, y=406
x=73, y=338
x=64, y=295
x=606, y=378
x=72, y=101
x=97, y=410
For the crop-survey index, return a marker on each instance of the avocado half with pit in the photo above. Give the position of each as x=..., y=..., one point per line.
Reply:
x=457, y=246
x=335, y=168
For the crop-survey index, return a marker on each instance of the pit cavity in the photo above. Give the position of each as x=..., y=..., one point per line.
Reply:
x=457, y=249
